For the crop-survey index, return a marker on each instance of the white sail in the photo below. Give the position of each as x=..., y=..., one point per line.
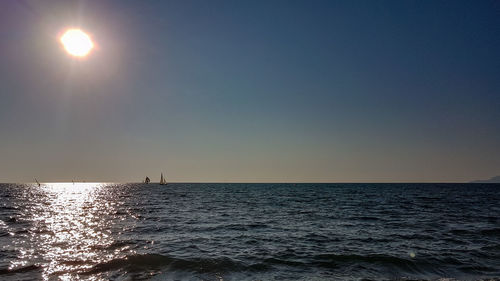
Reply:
x=162, y=180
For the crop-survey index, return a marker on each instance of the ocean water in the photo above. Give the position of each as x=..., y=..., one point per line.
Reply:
x=93, y=231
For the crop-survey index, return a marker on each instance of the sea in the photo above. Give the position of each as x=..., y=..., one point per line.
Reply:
x=248, y=231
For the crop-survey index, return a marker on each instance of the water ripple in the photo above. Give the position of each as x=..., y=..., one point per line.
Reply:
x=93, y=231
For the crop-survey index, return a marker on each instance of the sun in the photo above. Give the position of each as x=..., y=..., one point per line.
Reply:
x=76, y=42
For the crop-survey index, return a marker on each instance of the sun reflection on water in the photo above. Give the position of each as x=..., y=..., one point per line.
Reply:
x=70, y=230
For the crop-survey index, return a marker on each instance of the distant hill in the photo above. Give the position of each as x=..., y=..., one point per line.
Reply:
x=492, y=180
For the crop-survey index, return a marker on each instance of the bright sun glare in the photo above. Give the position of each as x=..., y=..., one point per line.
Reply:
x=76, y=42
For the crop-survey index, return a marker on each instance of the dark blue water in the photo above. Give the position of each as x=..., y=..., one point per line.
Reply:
x=88, y=231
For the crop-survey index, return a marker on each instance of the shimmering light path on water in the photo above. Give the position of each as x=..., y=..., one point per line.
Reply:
x=94, y=231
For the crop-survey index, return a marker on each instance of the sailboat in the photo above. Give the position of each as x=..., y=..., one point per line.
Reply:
x=146, y=180
x=162, y=180
x=38, y=183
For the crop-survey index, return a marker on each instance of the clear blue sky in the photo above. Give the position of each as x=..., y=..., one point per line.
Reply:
x=307, y=91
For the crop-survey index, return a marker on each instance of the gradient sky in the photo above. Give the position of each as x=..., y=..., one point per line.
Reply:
x=258, y=91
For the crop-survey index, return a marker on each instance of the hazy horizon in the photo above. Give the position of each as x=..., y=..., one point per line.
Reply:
x=257, y=91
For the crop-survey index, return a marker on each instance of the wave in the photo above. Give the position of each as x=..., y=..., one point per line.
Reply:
x=491, y=232
x=115, y=245
x=141, y=262
x=381, y=263
x=484, y=232
x=144, y=262
x=384, y=259
x=23, y=269
x=233, y=227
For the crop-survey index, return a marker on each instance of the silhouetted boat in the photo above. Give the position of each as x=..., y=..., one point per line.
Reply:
x=37, y=183
x=162, y=180
x=147, y=180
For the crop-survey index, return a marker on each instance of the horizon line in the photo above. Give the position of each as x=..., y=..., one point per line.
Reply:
x=253, y=182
